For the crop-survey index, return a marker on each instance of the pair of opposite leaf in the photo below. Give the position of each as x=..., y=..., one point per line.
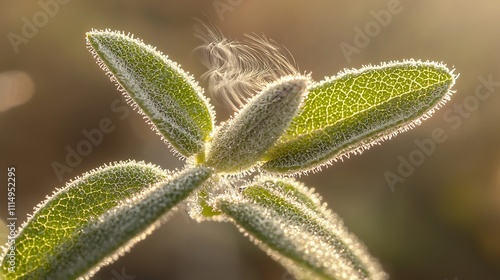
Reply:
x=292, y=126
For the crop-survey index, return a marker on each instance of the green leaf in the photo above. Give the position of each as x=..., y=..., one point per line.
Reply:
x=241, y=142
x=96, y=218
x=168, y=96
x=288, y=221
x=356, y=109
x=70, y=208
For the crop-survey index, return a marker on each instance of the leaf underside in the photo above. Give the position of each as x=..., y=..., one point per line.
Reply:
x=288, y=221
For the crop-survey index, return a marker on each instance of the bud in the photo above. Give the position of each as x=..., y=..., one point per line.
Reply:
x=241, y=142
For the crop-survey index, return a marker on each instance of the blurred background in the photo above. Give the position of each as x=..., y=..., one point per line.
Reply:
x=442, y=221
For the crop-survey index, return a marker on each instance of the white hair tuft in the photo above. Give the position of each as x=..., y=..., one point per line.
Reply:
x=239, y=69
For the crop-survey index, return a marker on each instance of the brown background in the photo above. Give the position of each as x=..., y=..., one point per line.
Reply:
x=442, y=222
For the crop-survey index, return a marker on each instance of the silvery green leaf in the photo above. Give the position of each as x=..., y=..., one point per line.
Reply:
x=240, y=143
x=96, y=218
x=169, y=97
x=356, y=109
x=288, y=221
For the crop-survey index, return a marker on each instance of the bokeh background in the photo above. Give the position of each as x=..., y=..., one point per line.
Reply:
x=441, y=222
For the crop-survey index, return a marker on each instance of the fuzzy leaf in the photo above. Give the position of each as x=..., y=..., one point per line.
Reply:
x=241, y=142
x=95, y=218
x=168, y=96
x=354, y=110
x=288, y=221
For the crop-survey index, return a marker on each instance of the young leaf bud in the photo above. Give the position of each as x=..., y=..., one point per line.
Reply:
x=240, y=143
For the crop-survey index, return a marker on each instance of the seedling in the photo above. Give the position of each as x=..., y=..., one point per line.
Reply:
x=239, y=171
